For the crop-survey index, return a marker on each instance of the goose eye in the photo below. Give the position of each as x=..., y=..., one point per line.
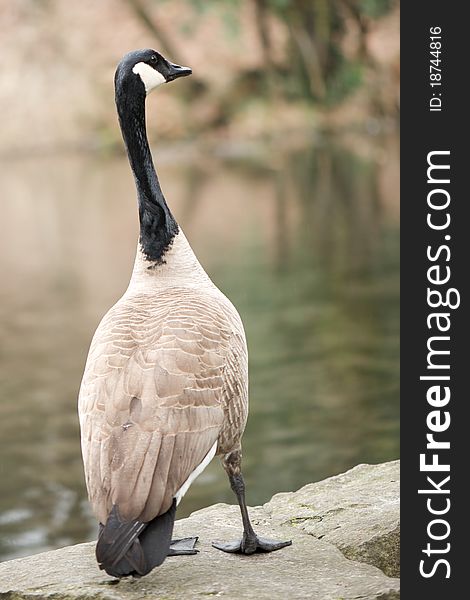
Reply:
x=153, y=59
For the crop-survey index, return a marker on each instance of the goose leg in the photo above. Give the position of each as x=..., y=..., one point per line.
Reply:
x=250, y=542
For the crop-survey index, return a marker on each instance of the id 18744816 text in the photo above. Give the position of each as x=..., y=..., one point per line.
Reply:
x=435, y=69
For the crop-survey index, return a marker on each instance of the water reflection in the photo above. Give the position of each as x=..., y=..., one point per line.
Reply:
x=305, y=242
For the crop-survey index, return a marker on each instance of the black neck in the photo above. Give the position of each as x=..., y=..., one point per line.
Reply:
x=157, y=225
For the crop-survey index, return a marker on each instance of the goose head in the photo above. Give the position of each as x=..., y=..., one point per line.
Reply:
x=144, y=70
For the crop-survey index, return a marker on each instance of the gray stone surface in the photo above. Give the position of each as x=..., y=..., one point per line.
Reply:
x=312, y=568
x=357, y=511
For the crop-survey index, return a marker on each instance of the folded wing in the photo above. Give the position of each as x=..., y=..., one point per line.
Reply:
x=151, y=402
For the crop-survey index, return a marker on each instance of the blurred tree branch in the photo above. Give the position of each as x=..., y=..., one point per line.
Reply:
x=317, y=65
x=143, y=14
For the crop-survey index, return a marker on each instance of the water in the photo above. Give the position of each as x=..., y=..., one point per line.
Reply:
x=303, y=240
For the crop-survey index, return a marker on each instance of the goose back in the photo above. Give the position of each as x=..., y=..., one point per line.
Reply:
x=165, y=380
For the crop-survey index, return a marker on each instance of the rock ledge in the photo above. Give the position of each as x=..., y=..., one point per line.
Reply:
x=345, y=533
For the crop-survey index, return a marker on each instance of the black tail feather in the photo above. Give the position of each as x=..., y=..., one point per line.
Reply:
x=132, y=547
x=156, y=538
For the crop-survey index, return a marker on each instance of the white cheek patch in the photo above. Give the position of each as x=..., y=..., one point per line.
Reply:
x=150, y=77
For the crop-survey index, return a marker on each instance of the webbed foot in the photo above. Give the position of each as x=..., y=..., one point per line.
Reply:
x=251, y=544
x=183, y=546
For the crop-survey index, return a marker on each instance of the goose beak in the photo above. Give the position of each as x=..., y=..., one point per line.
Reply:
x=175, y=71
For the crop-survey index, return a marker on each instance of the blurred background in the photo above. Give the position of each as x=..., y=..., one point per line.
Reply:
x=278, y=157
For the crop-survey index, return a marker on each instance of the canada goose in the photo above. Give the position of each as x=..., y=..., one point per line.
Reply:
x=165, y=386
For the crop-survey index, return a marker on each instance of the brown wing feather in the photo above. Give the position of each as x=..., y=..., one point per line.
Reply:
x=234, y=394
x=151, y=402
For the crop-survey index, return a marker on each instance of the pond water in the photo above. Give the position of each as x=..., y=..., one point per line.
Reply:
x=304, y=240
